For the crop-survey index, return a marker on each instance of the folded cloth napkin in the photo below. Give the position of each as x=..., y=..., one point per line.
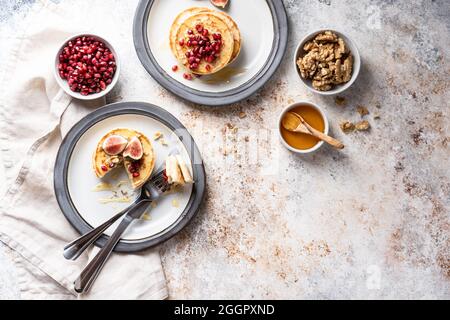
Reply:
x=35, y=115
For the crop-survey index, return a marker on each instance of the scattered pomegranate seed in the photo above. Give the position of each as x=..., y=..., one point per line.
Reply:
x=187, y=76
x=104, y=168
x=87, y=65
x=208, y=67
x=175, y=68
x=136, y=174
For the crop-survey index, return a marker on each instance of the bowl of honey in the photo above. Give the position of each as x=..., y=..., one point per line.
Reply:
x=299, y=142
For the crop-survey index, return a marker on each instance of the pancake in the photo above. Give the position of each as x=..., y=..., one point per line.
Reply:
x=214, y=25
x=192, y=11
x=146, y=163
x=234, y=29
x=177, y=24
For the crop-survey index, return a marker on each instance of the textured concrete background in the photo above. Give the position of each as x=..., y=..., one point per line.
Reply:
x=371, y=221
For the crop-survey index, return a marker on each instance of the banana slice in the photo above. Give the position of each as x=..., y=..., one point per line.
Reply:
x=177, y=171
x=173, y=172
x=184, y=170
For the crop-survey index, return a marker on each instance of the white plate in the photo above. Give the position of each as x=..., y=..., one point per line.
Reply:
x=254, y=19
x=82, y=180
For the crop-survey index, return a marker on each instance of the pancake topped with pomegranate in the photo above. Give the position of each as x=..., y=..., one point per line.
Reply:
x=204, y=40
x=126, y=148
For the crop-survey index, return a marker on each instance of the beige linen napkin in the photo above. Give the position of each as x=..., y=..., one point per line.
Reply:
x=35, y=115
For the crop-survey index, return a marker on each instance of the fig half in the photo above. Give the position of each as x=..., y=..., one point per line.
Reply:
x=134, y=149
x=115, y=144
x=220, y=3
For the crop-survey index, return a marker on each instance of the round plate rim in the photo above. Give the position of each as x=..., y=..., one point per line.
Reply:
x=235, y=95
x=121, y=108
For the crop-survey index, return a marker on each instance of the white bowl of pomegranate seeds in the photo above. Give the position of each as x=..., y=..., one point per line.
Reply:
x=87, y=67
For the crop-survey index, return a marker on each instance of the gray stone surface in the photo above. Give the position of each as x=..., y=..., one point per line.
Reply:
x=371, y=221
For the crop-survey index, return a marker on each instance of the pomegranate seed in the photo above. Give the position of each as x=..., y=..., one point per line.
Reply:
x=136, y=174
x=208, y=67
x=205, y=32
x=187, y=76
x=175, y=68
x=190, y=32
x=181, y=42
x=104, y=168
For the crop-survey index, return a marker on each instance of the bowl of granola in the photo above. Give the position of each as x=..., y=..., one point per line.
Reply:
x=327, y=62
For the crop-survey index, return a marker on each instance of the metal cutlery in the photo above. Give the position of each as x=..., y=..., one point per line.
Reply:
x=149, y=192
x=74, y=249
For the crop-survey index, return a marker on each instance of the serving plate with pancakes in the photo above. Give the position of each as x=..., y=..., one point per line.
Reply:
x=77, y=175
x=253, y=42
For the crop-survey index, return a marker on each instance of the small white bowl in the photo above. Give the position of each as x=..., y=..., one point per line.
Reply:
x=65, y=86
x=340, y=87
x=292, y=106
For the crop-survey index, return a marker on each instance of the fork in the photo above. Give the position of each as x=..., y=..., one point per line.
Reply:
x=149, y=192
x=74, y=249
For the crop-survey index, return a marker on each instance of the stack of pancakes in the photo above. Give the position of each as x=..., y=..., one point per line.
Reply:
x=216, y=22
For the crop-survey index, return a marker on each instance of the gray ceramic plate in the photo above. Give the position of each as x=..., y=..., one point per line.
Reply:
x=264, y=32
x=87, y=206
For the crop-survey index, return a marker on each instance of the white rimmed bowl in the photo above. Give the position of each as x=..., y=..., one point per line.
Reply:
x=299, y=52
x=292, y=106
x=63, y=83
